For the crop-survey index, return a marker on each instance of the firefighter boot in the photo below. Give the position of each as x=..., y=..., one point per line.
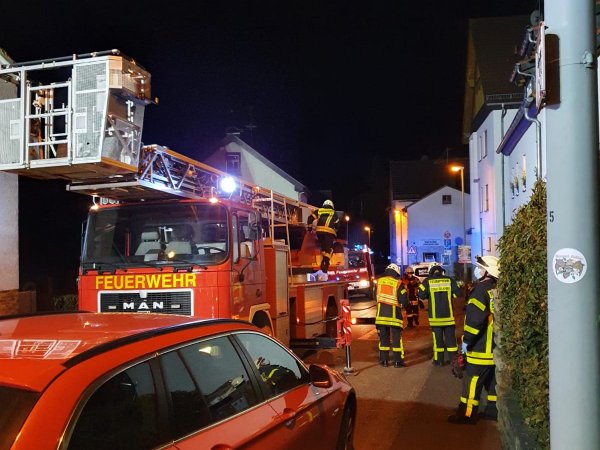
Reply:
x=399, y=364
x=490, y=413
x=459, y=417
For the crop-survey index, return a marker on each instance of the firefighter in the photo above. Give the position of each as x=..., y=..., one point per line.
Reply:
x=391, y=296
x=478, y=344
x=327, y=223
x=411, y=284
x=441, y=290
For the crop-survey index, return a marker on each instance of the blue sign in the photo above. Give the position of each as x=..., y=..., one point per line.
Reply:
x=448, y=243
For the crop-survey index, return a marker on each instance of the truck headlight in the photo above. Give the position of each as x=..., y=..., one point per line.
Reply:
x=363, y=283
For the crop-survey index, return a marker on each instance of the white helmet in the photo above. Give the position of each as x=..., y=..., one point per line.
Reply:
x=328, y=204
x=490, y=264
x=393, y=267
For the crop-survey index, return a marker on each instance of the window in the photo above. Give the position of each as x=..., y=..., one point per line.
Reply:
x=232, y=163
x=446, y=199
x=279, y=371
x=207, y=383
x=486, y=198
x=482, y=145
x=488, y=246
x=236, y=238
x=125, y=409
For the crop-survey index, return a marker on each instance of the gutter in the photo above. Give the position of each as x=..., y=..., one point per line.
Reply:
x=520, y=124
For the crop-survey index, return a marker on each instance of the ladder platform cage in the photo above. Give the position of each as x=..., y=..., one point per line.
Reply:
x=73, y=118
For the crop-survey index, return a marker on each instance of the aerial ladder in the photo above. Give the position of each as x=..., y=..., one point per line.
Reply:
x=84, y=124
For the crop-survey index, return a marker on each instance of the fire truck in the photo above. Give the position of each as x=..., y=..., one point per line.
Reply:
x=165, y=233
x=355, y=266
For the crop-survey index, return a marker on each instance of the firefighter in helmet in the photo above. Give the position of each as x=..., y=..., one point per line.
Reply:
x=391, y=296
x=478, y=344
x=411, y=284
x=327, y=223
x=441, y=290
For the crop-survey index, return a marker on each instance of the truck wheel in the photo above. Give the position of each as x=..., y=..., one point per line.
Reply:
x=261, y=321
x=330, y=314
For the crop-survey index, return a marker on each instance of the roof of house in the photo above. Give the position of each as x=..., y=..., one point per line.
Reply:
x=495, y=40
x=433, y=193
x=232, y=138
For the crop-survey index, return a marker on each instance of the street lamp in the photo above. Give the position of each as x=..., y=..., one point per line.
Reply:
x=461, y=169
x=347, y=218
x=368, y=230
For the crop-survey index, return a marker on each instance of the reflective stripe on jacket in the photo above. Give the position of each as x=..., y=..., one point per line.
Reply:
x=389, y=292
x=440, y=290
x=479, y=324
x=327, y=221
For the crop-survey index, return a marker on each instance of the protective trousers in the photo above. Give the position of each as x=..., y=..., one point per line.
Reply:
x=326, y=241
x=477, y=378
x=384, y=343
x=444, y=338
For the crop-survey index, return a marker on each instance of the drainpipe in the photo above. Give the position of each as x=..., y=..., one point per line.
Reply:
x=538, y=140
x=503, y=165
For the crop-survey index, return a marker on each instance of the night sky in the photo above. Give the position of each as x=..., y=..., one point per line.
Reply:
x=330, y=86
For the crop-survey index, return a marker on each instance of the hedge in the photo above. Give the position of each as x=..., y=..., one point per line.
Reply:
x=523, y=312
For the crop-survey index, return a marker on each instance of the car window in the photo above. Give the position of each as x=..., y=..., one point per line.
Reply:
x=16, y=406
x=189, y=408
x=217, y=370
x=279, y=370
x=125, y=409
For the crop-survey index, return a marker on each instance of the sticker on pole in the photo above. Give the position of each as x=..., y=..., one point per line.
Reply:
x=569, y=265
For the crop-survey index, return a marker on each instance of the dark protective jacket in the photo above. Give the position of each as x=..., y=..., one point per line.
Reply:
x=440, y=290
x=479, y=324
x=391, y=296
x=412, y=289
x=327, y=221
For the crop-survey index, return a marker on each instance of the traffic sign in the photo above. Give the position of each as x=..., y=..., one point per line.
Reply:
x=412, y=250
x=447, y=243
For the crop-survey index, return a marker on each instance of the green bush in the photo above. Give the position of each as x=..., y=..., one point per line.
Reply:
x=65, y=302
x=523, y=312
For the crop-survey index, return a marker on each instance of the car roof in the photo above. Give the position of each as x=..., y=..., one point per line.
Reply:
x=35, y=349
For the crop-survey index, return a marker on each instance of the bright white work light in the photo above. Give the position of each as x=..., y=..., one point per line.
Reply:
x=227, y=185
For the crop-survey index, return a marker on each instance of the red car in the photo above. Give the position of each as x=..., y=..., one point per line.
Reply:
x=141, y=381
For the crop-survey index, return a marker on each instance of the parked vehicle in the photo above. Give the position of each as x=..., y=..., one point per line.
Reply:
x=354, y=266
x=166, y=233
x=140, y=381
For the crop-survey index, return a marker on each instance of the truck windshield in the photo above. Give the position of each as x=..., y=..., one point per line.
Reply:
x=357, y=258
x=149, y=234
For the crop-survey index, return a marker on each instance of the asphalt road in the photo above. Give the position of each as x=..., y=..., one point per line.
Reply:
x=406, y=407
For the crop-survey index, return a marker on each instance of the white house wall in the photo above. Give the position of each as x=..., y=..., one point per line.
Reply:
x=255, y=171
x=498, y=172
x=430, y=221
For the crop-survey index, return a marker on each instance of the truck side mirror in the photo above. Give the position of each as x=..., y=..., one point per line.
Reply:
x=254, y=231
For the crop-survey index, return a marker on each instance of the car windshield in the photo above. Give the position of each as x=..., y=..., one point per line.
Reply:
x=156, y=234
x=16, y=406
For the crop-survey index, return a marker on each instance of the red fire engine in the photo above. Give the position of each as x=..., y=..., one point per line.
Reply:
x=166, y=233
x=355, y=266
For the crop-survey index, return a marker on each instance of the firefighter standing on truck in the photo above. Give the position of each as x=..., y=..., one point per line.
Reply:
x=391, y=296
x=478, y=344
x=441, y=290
x=327, y=223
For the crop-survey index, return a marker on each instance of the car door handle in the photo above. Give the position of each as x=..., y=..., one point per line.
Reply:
x=288, y=415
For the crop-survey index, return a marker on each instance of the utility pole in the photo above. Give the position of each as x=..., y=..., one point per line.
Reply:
x=573, y=251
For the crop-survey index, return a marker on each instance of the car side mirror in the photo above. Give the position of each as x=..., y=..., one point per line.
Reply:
x=319, y=376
